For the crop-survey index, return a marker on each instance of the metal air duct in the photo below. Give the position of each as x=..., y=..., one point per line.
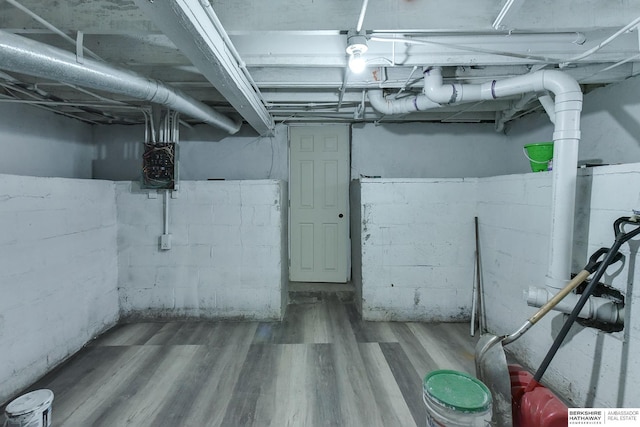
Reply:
x=22, y=55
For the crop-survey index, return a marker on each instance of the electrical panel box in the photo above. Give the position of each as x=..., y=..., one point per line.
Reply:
x=160, y=166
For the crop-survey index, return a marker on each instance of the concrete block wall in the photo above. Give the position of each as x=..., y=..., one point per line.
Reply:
x=514, y=214
x=226, y=260
x=417, y=239
x=58, y=272
x=356, y=240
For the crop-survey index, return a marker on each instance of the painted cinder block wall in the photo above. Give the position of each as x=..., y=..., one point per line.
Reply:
x=417, y=252
x=418, y=255
x=610, y=129
x=592, y=368
x=62, y=241
x=58, y=272
x=226, y=260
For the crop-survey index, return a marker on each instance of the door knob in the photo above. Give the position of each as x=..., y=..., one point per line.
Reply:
x=340, y=216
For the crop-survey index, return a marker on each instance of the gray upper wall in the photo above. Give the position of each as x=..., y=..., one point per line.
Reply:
x=433, y=150
x=205, y=153
x=40, y=143
x=411, y=150
x=36, y=142
x=610, y=125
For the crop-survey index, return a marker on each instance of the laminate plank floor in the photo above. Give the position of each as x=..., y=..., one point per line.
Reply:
x=321, y=366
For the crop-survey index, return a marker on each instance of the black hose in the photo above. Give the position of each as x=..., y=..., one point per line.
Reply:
x=621, y=237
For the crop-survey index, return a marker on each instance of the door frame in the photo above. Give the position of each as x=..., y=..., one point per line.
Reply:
x=348, y=202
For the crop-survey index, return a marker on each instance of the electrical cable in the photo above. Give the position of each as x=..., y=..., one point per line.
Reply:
x=410, y=40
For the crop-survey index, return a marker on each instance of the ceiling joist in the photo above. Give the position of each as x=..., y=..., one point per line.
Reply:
x=192, y=28
x=285, y=60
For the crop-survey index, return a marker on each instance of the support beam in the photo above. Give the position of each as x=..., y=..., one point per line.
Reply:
x=194, y=32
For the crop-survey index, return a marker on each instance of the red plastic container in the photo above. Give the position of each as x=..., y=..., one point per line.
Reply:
x=538, y=407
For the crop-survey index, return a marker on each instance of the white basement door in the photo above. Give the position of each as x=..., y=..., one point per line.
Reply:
x=319, y=242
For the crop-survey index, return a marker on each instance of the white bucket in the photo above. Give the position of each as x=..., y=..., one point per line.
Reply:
x=30, y=410
x=455, y=399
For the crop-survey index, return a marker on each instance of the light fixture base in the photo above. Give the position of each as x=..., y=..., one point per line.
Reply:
x=356, y=42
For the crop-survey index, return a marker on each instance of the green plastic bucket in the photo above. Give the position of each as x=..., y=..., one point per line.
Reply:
x=540, y=155
x=456, y=399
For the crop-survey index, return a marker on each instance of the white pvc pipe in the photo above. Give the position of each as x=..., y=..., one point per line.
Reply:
x=363, y=11
x=549, y=107
x=167, y=198
x=443, y=94
x=146, y=127
x=602, y=309
x=406, y=105
x=505, y=116
x=566, y=136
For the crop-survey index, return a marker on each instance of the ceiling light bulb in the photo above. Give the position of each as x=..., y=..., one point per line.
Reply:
x=357, y=64
x=356, y=47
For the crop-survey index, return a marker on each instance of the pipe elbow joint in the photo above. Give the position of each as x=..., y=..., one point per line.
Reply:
x=606, y=310
x=440, y=94
x=559, y=83
x=434, y=89
x=399, y=106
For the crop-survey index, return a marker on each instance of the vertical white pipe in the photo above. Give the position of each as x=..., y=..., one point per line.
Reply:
x=176, y=127
x=167, y=197
x=566, y=137
x=146, y=126
x=565, y=160
x=549, y=107
x=363, y=11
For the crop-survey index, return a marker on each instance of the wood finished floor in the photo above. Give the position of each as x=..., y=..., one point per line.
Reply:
x=321, y=366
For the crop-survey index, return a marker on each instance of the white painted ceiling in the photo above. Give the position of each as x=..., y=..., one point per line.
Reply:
x=294, y=52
